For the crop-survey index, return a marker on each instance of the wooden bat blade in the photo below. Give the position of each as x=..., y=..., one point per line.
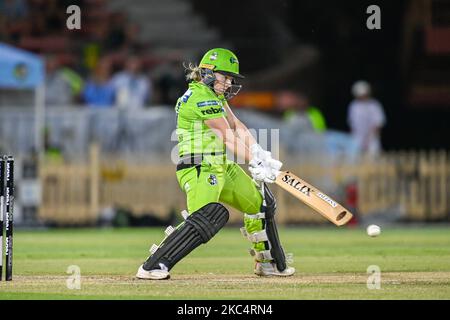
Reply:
x=314, y=198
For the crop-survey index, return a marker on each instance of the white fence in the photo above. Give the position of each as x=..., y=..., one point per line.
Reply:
x=415, y=184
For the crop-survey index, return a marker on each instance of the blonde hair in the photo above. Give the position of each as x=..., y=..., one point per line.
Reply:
x=193, y=72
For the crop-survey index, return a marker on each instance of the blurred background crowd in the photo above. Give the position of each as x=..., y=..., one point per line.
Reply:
x=131, y=55
x=334, y=88
x=95, y=64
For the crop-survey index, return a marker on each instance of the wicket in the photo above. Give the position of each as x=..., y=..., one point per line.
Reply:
x=6, y=213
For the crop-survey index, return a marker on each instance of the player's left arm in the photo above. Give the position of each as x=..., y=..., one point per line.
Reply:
x=262, y=166
x=239, y=127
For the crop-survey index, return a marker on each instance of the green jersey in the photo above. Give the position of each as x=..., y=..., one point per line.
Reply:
x=197, y=104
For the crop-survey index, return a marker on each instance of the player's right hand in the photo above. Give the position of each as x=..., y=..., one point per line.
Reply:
x=262, y=166
x=266, y=171
x=259, y=153
x=274, y=165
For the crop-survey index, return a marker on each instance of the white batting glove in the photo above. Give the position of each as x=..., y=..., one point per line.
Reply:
x=273, y=169
x=262, y=166
x=264, y=171
x=259, y=153
x=262, y=174
x=274, y=164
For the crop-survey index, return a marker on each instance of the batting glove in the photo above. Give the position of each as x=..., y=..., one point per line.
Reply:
x=264, y=171
x=259, y=153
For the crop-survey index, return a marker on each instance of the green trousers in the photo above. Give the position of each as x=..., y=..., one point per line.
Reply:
x=221, y=180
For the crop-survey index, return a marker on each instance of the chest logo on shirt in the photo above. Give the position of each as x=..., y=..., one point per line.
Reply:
x=208, y=103
x=212, y=111
x=212, y=179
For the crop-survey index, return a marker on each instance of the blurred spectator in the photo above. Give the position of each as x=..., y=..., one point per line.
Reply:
x=306, y=131
x=132, y=87
x=48, y=17
x=13, y=9
x=169, y=79
x=58, y=91
x=115, y=37
x=297, y=109
x=13, y=19
x=93, y=48
x=131, y=38
x=111, y=39
x=63, y=85
x=55, y=16
x=37, y=25
x=365, y=118
x=53, y=152
x=299, y=135
x=98, y=91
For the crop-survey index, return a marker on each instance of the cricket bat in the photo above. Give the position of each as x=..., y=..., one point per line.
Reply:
x=314, y=198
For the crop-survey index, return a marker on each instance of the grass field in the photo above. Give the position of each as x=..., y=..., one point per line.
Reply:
x=331, y=263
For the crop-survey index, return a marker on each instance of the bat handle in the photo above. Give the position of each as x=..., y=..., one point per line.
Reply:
x=261, y=190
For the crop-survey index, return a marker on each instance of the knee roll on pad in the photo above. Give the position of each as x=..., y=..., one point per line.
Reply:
x=269, y=235
x=198, y=228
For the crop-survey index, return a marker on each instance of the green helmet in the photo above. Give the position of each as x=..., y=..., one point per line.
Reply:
x=221, y=60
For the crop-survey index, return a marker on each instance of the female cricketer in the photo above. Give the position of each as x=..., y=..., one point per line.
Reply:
x=206, y=127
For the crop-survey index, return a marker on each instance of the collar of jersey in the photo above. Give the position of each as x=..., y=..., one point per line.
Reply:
x=209, y=89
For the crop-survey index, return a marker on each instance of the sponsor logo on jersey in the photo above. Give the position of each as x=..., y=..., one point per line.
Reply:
x=208, y=103
x=177, y=108
x=212, y=110
x=327, y=199
x=212, y=179
x=186, y=95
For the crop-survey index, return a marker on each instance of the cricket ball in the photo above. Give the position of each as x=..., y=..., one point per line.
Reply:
x=373, y=230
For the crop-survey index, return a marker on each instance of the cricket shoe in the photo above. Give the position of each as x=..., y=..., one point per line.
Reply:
x=269, y=269
x=155, y=274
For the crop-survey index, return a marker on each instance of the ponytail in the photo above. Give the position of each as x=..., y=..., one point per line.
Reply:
x=193, y=72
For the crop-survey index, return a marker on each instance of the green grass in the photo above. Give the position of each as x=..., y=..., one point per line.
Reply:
x=331, y=263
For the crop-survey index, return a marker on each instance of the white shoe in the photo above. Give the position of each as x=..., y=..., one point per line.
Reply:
x=155, y=274
x=268, y=269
